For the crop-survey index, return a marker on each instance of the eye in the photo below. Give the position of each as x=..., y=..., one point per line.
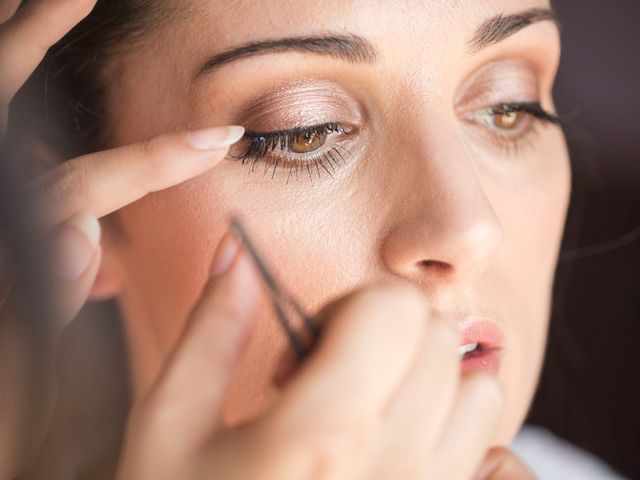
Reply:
x=308, y=141
x=508, y=119
x=507, y=124
x=318, y=146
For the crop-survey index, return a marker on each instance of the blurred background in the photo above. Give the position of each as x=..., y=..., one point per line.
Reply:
x=589, y=391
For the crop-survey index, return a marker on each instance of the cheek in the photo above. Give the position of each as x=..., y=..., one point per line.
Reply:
x=311, y=238
x=320, y=242
x=535, y=226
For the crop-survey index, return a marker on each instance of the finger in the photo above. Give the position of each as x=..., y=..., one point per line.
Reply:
x=7, y=9
x=468, y=433
x=366, y=347
x=190, y=391
x=72, y=265
x=75, y=260
x=502, y=464
x=27, y=341
x=103, y=182
x=419, y=411
x=26, y=37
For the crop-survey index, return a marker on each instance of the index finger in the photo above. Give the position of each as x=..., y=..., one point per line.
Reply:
x=103, y=182
x=473, y=421
x=366, y=348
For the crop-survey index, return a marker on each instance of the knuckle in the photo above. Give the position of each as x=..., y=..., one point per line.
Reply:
x=147, y=149
x=148, y=146
x=332, y=446
x=71, y=181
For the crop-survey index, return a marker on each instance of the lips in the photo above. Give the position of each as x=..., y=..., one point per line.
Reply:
x=481, y=347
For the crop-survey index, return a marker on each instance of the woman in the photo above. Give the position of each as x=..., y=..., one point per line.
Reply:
x=404, y=178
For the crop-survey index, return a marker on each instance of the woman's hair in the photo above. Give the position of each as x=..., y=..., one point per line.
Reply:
x=64, y=103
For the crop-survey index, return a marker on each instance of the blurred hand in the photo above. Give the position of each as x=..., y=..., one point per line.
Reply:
x=72, y=197
x=501, y=464
x=380, y=397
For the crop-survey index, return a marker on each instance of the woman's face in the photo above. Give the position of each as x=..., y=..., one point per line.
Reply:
x=416, y=177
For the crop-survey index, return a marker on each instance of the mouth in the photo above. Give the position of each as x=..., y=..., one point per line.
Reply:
x=481, y=347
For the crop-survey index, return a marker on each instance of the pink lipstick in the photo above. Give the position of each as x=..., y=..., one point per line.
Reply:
x=481, y=347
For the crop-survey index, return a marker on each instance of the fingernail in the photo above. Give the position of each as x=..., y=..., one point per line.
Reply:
x=74, y=245
x=217, y=137
x=226, y=252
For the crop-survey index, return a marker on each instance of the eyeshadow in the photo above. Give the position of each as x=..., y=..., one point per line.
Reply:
x=499, y=81
x=300, y=103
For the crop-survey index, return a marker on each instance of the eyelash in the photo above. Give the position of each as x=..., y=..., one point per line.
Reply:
x=261, y=146
x=511, y=144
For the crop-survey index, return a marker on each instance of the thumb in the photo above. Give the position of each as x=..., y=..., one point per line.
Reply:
x=74, y=262
x=27, y=342
x=200, y=370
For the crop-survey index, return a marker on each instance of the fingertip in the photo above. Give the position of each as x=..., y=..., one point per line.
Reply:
x=72, y=295
x=89, y=226
x=74, y=245
x=226, y=252
x=246, y=276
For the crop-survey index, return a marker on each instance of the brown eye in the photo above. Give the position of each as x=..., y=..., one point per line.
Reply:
x=507, y=119
x=307, y=142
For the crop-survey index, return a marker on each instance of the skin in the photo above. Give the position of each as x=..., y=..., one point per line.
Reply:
x=421, y=184
x=489, y=224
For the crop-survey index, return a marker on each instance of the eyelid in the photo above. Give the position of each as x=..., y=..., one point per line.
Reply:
x=301, y=101
x=255, y=146
x=291, y=131
x=499, y=81
x=534, y=109
x=510, y=141
x=330, y=157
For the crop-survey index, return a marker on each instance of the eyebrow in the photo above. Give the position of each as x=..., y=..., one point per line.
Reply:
x=502, y=26
x=351, y=48
x=358, y=50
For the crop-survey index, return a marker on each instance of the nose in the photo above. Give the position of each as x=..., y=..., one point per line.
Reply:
x=443, y=225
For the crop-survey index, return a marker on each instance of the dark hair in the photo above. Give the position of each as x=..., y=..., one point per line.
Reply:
x=64, y=102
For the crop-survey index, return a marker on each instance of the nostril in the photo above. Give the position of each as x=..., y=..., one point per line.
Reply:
x=434, y=265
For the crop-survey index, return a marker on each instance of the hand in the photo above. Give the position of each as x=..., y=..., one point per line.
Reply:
x=75, y=194
x=501, y=464
x=380, y=397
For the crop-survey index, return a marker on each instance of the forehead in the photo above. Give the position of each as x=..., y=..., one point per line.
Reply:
x=226, y=23
x=415, y=38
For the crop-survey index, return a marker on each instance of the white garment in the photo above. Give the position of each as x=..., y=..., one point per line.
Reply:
x=552, y=458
